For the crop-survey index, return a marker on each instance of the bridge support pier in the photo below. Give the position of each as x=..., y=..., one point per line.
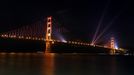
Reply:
x=112, y=52
x=48, y=46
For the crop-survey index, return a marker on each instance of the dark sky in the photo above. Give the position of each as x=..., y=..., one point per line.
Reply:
x=79, y=16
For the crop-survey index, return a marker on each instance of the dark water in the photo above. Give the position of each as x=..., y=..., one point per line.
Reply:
x=64, y=64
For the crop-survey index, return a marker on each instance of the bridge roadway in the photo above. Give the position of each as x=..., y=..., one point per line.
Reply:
x=66, y=46
x=75, y=47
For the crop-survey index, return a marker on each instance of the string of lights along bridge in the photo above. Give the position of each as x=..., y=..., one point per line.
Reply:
x=49, y=32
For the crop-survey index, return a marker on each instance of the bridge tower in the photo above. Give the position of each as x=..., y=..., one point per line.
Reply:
x=48, y=34
x=112, y=45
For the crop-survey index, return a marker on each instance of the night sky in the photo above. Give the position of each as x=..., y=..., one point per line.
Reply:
x=80, y=17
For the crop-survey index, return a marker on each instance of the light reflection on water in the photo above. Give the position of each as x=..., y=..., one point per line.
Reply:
x=64, y=64
x=48, y=66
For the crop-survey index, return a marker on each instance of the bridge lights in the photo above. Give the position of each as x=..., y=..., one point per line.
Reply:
x=22, y=36
x=29, y=37
x=49, y=34
x=11, y=36
x=36, y=38
x=4, y=35
x=19, y=37
x=42, y=38
x=33, y=38
x=26, y=37
x=69, y=41
x=52, y=42
x=72, y=42
x=1, y=35
x=75, y=42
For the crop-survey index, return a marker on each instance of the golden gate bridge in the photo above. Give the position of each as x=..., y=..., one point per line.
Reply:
x=46, y=32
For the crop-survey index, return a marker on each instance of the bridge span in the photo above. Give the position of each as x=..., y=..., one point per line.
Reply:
x=54, y=45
